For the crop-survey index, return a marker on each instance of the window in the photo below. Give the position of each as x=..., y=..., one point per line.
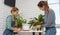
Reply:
x=54, y=4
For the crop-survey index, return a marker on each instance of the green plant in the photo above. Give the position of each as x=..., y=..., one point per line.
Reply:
x=20, y=21
x=37, y=21
x=41, y=17
x=32, y=22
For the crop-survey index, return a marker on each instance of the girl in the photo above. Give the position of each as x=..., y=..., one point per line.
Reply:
x=49, y=21
x=10, y=22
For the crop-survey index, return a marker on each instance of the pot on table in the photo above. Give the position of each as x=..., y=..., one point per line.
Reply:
x=26, y=27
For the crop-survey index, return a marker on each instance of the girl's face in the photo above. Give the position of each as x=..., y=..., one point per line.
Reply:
x=15, y=13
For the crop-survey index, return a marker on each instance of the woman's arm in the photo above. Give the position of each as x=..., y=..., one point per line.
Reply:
x=50, y=20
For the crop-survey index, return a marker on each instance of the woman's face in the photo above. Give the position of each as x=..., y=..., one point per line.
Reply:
x=42, y=8
x=15, y=13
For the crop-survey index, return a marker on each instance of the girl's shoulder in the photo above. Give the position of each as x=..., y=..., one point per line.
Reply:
x=9, y=16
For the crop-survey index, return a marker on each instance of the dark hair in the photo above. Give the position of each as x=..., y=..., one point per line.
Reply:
x=44, y=3
x=14, y=9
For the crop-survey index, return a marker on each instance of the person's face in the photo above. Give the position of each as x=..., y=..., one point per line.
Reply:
x=42, y=8
x=15, y=13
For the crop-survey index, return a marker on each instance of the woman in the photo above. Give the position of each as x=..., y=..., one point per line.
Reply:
x=10, y=22
x=49, y=21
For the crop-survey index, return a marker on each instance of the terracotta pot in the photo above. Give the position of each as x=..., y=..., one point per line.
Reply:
x=19, y=28
x=26, y=27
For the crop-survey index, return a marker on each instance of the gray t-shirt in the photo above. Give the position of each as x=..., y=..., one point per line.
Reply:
x=49, y=20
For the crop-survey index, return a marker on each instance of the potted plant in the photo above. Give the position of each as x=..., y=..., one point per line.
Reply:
x=37, y=21
x=19, y=21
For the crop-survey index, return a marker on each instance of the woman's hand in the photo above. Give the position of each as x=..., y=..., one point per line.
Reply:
x=38, y=26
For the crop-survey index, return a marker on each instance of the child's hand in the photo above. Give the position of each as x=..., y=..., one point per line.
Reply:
x=14, y=29
x=19, y=29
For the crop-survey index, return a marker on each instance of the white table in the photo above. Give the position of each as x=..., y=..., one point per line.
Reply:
x=33, y=31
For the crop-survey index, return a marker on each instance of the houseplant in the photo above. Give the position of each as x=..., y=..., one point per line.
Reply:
x=37, y=21
x=19, y=21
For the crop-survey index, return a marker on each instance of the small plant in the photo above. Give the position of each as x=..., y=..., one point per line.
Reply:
x=20, y=21
x=37, y=21
x=41, y=19
x=32, y=22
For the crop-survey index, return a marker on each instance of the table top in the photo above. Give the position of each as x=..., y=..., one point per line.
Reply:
x=31, y=30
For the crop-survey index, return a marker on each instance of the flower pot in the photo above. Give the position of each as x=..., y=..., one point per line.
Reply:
x=19, y=28
x=26, y=27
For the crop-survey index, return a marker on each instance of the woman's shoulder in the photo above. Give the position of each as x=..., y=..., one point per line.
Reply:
x=52, y=12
